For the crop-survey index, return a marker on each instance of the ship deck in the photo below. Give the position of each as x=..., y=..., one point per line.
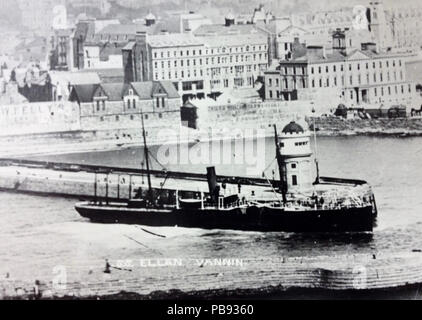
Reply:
x=79, y=182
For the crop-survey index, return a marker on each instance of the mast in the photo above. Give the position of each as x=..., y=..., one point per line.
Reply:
x=146, y=151
x=280, y=167
x=316, y=149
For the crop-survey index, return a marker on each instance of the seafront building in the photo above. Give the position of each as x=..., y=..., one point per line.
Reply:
x=213, y=59
x=120, y=106
x=356, y=76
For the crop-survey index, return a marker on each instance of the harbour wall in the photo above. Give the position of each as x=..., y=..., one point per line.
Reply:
x=336, y=126
x=88, y=182
x=257, y=276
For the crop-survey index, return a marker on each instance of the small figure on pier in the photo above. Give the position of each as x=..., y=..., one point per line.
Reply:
x=107, y=267
x=138, y=194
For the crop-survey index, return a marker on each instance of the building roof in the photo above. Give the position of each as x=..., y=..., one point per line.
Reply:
x=114, y=91
x=220, y=29
x=293, y=127
x=173, y=40
x=83, y=93
x=234, y=40
x=147, y=89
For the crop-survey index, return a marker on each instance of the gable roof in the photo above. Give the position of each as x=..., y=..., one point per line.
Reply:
x=147, y=89
x=83, y=93
x=357, y=55
x=114, y=91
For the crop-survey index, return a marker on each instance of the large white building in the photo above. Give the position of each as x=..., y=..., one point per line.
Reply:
x=353, y=76
x=213, y=59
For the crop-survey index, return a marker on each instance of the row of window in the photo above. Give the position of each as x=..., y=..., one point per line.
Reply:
x=195, y=52
x=387, y=90
x=295, y=83
x=326, y=82
x=237, y=82
x=132, y=117
x=130, y=104
x=210, y=72
x=366, y=65
x=207, y=61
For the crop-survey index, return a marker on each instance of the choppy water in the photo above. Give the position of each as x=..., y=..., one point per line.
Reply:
x=38, y=233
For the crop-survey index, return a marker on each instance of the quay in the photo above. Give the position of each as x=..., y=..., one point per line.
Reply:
x=87, y=182
x=337, y=276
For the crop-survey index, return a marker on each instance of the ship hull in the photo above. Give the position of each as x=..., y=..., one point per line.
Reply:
x=247, y=219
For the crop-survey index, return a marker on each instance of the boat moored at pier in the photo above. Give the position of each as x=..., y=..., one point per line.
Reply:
x=297, y=202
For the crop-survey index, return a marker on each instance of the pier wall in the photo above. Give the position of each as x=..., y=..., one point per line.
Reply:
x=253, y=115
x=39, y=117
x=257, y=276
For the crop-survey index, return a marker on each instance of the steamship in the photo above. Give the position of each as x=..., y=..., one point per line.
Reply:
x=296, y=203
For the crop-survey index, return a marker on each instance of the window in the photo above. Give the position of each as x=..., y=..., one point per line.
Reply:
x=134, y=103
x=294, y=180
x=293, y=165
x=117, y=118
x=128, y=104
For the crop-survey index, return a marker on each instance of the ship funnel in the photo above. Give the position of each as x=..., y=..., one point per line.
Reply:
x=212, y=183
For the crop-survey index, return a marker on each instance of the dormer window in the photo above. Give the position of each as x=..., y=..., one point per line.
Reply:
x=130, y=92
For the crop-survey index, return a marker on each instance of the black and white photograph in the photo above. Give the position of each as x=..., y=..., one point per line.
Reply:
x=204, y=150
